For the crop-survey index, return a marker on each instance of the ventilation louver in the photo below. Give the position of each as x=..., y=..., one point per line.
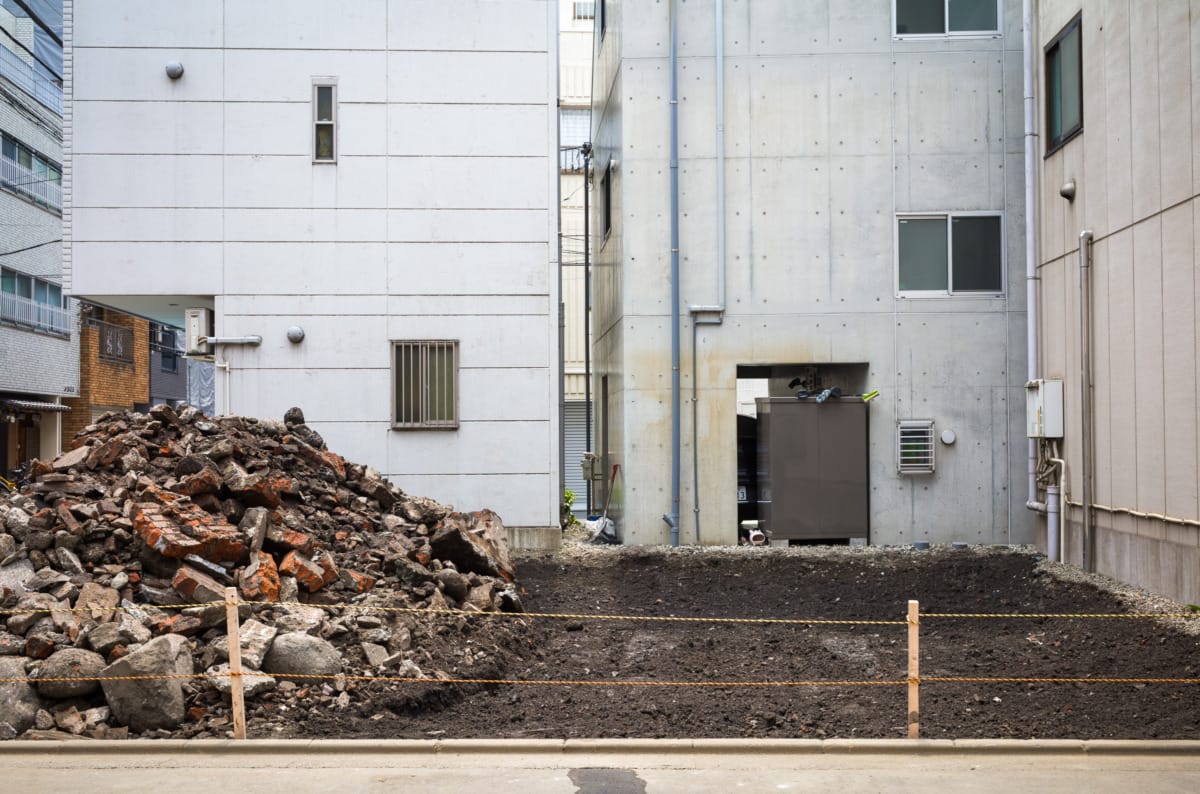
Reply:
x=914, y=451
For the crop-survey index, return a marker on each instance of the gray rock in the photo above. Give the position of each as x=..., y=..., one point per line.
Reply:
x=43, y=720
x=7, y=732
x=154, y=703
x=69, y=663
x=45, y=579
x=11, y=644
x=8, y=544
x=376, y=654
x=254, y=682
x=14, y=574
x=75, y=457
x=38, y=603
x=18, y=700
x=104, y=637
x=300, y=618
x=68, y=562
x=302, y=654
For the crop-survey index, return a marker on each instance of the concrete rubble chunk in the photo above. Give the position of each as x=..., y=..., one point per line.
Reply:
x=256, y=639
x=100, y=600
x=470, y=553
x=19, y=702
x=69, y=663
x=150, y=703
x=14, y=574
x=254, y=682
x=45, y=579
x=39, y=606
x=69, y=460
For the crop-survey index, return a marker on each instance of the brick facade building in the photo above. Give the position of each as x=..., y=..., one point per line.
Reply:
x=114, y=368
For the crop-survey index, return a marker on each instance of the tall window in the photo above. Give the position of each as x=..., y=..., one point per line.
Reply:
x=1064, y=85
x=425, y=384
x=324, y=120
x=602, y=12
x=168, y=353
x=946, y=17
x=606, y=201
x=954, y=253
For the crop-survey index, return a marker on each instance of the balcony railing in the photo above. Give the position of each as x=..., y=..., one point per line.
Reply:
x=31, y=314
x=30, y=81
x=15, y=176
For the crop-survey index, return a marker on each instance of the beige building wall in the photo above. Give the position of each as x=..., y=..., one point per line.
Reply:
x=1136, y=166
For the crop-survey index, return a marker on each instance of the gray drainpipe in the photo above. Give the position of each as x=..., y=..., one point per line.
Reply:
x=672, y=518
x=1085, y=391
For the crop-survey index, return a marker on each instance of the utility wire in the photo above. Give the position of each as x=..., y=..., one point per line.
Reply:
x=30, y=247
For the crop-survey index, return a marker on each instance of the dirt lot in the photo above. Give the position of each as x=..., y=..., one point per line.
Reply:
x=829, y=584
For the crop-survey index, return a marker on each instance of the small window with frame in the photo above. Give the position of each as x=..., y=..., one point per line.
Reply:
x=946, y=18
x=1064, y=85
x=960, y=253
x=425, y=384
x=324, y=101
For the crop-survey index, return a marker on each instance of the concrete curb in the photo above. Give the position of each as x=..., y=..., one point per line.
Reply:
x=623, y=747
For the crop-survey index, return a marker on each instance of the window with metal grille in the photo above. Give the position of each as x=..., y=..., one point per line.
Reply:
x=425, y=384
x=914, y=449
x=585, y=10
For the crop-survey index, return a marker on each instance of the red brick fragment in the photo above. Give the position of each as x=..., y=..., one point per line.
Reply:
x=38, y=647
x=206, y=535
x=309, y=574
x=362, y=582
x=205, y=481
x=197, y=713
x=260, y=579
x=197, y=585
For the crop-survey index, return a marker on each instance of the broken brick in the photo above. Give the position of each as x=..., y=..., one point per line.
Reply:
x=260, y=579
x=205, y=481
x=198, y=586
x=309, y=574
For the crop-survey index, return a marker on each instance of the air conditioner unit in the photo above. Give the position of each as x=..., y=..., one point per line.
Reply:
x=198, y=327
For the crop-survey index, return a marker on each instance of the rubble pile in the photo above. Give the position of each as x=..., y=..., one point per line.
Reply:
x=153, y=511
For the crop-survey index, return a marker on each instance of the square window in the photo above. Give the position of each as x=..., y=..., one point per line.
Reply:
x=324, y=121
x=425, y=385
x=955, y=253
x=585, y=10
x=947, y=17
x=1064, y=85
x=915, y=446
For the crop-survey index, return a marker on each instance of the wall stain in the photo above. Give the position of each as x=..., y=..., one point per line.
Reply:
x=607, y=781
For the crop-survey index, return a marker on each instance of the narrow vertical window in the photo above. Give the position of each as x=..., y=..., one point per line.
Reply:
x=606, y=198
x=1064, y=85
x=324, y=121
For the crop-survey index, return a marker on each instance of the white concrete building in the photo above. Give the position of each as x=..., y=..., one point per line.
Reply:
x=1119, y=158
x=852, y=216
x=382, y=174
x=39, y=340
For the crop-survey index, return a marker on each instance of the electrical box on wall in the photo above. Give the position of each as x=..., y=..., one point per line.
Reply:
x=1044, y=408
x=197, y=326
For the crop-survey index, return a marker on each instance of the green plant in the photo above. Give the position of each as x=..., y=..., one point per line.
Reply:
x=565, y=517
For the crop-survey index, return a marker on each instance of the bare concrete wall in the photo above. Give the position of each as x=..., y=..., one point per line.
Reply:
x=833, y=127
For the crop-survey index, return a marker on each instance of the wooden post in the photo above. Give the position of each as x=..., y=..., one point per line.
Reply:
x=238, y=695
x=914, y=670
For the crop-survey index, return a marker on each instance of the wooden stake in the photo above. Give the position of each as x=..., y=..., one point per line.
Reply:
x=914, y=670
x=233, y=629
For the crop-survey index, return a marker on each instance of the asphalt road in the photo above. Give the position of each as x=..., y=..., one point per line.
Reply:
x=601, y=767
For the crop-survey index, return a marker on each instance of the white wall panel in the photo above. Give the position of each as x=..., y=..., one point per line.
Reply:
x=149, y=23
x=468, y=24
x=305, y=268
x=468, y=182
x=344, y=395
x=283, y=75
x=470, y=225
x=306, y=225
x=147, y=128
x=474, y=448
x=150, y=224
x=468, y=77
x=265, y=182
x=496, y=269
x=485, y=341
x=468, y=130
x=306, y=24
x=146, y=181
x=120, y=74
x=160, y=268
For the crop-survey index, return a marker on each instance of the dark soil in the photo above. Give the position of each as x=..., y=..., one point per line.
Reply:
x=872, y=585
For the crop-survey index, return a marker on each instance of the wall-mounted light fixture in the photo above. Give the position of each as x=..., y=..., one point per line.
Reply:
x=174, y=70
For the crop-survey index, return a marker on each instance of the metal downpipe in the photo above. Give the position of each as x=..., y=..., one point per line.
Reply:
x=672, y=518
x=1032, y=370
x=1085, y=389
